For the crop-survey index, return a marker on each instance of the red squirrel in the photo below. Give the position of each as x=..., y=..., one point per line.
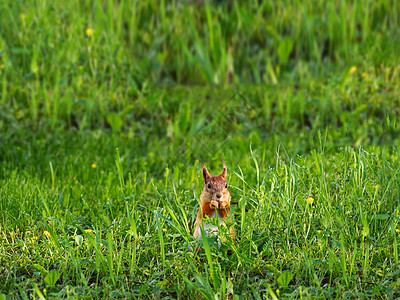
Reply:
x=214, y=199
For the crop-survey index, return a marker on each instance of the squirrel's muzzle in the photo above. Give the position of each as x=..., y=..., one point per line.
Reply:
x=217, y=197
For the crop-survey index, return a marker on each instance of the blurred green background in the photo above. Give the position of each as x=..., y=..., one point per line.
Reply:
x=71, y=63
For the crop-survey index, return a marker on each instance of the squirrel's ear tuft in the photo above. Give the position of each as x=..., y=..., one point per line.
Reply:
x=206, y=175
x=224, y=171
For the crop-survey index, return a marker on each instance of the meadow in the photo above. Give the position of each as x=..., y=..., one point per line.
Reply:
x=108, y=107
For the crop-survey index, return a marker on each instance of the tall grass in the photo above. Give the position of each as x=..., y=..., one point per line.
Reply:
x=95, y=64
x=185, y=42
x=100, y=150
x=110, y=243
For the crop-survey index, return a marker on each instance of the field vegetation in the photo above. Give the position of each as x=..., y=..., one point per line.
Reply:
x=108, y=107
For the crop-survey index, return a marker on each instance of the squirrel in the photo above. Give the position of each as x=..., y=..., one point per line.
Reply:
x=214, y=199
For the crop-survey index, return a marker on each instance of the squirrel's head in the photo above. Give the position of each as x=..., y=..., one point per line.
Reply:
x=215, y=185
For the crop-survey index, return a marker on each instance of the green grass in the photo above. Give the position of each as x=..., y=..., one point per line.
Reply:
x=344, y=243
x=101, y=138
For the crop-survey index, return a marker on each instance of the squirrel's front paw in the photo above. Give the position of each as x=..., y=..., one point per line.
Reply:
x=223, y=205
x=213, y=204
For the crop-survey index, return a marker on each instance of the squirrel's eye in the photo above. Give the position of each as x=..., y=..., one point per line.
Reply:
x=209, y=186
x=226, y=186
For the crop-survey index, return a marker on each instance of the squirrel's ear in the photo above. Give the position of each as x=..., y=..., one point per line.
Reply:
x=206, y=175
x=224, y=171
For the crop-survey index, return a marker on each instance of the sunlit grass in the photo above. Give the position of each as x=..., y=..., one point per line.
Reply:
x=100, y=171
x=133, y=237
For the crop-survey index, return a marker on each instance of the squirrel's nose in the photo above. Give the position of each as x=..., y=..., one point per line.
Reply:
x=219, y=195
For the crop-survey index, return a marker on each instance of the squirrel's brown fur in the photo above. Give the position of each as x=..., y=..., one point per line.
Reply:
x=214, y=199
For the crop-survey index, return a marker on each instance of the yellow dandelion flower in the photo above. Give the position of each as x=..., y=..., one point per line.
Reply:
x=319, y=231
x=310, y=200
x=89, y=31
x=277, y=292
x=397, y=230
x=94, y=166
x=88, y=231
x=46, y=233
x=352, y=70
x=44, y=291
x=22, y=17
x=164, y=229
x=377, y=187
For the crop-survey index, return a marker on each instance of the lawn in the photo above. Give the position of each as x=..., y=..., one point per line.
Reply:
x=107, y=109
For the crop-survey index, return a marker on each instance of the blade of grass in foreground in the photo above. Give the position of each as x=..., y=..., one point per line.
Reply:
x=38, y=292
x=132, y=231
x=110, y=261
x=120, y=170
x=44, y=202
x=161, y=238
x=395, y=251
x=209, y=258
